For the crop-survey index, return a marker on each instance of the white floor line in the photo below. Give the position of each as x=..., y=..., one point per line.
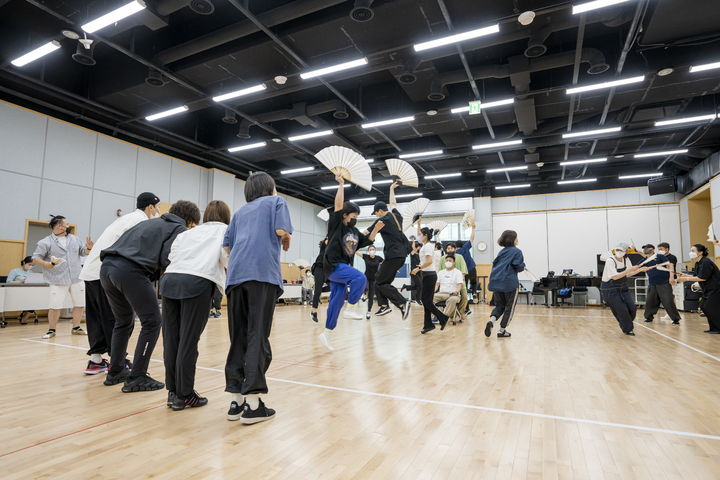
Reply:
x=677, y=341
x=459, y=405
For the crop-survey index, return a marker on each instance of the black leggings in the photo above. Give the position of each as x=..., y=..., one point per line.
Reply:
x=711, y=308
x=429, y=279
x=319, y=275
x=370, y=291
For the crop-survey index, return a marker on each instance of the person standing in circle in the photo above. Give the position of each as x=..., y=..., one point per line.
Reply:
x=706, y=273
x=615, y=289
x=429, y=279
x=372, y=262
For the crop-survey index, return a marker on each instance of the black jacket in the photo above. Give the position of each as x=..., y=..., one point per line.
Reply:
x=148, y=243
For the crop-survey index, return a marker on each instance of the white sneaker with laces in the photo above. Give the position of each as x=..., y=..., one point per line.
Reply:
x=325, y=339
x=351, y=314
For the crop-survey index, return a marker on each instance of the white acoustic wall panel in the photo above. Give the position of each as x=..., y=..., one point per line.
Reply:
x=115, y=166
x=670, y=228
x=561, y=200
x=223, y=187
x=623, y=196
x=70, y=201
x=532, y=234
x=185, y=182
x=714, y=192
x=295, y=210
x=153, y=174
x=597, y=198
x=306, y=222
x=506, y=204
x=22, y=141
x=239, y=197
x=206, y=189
x=307, y=245
x=684, y=215
x=531, y=202
x=686, y=245
x=575, y=238
x=319, y=225
x=70, y=154
x=642, y=224
x=104, y=210
x=20, y=201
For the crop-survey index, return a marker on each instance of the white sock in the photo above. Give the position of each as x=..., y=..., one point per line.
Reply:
x=253, y=401
x=95, y=358
x=492, y=319
x=328, y=332
x=239, y=398
x=502, y=330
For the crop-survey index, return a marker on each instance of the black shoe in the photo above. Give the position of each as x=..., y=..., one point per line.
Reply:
x=443, y=323
x=260, y=414
x=313, y=315
x=714, y=332
x=405, y=309
x=632, y=334
x=404, y=287
x=648, y=320
x=488, y=329
x=383, y=311
x=235, y=411
x=676, y=322
x=115, y=379
x=171, y=399
x=504, y=334
x=142, y=384
x=427, y=329
x=467, y=312
x=707, y=331
x=194, y=400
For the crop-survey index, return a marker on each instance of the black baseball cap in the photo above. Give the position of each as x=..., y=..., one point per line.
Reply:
x=379, y=206
x=145, y=199
x=649, y=245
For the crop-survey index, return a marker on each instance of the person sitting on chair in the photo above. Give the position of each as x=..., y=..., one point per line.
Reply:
x=19, y=275
x=450, y=284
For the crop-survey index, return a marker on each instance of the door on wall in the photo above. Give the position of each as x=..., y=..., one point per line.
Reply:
x=700, y=216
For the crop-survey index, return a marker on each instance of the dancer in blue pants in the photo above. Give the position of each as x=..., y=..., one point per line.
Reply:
x=343, y=241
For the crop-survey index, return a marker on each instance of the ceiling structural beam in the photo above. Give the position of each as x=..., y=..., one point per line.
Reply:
x=576, y=74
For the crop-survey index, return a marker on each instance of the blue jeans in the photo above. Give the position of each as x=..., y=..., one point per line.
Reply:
x=343, y=276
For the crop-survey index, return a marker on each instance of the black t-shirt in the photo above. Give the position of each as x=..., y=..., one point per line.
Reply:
x=708, y=271
x=673, y=259
x=371, y=266
x=393, y=236
x=414, y=260
x=343, y=242
x=319, y=259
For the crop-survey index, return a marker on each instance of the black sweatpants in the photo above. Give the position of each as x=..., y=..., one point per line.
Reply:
x=622, y=306
x=98, y=317
x=383, y=282
x=429, y=279
x=183, y=323
x=504, y=306
x=658, y=294
x=416, y=291
x=130, y=291
x=319, y=275
x=216, y=298
x=250, y=306
x=370, y=292
x=711, y=308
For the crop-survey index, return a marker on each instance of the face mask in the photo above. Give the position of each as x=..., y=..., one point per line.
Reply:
x=619, y=253
x=372, y=253
x=647, y=251
x=28, y=267
x=693, y=254
x=449, y=265
x=352, y=222
x=661, y=252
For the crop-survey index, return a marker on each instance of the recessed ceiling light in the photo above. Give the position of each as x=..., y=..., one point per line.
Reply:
x=664, y=72
x=297, y=170
x=71, y=34
x=432, y=112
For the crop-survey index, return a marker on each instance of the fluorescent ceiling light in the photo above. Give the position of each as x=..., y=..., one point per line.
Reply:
x=167, y=113
x=247, y=147
x=522, y=185
x=446, y=175
x=660, y=154
x=408, y=195
x=37, y=53
x=310, y=135
x=464, y=190
x=334, y=187
x=388, y=122
x=465, y=109
x=580, y=162
x=335, y=68
x=240, y=93
x=457, y=38
x=367, y=199
x=507, y=169
x=702, y=68
x=584, y=180
x=382, y=182
x=592, y=132
x=496, y=145
x=297, y=170
x=114, y=16
x=677, y=121
x=643, y=175
x=599, y=86
x=370, y=160
x=498, y=103
x=421, y=154
x=586, y=7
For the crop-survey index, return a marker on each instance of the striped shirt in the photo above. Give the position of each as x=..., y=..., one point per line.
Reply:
x=68, y=271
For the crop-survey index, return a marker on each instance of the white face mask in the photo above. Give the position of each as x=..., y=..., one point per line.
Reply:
x=449, y=265
x=619, y=253
x=661, y=252
x=693, y=254
x=28, y=267
x=372, y=253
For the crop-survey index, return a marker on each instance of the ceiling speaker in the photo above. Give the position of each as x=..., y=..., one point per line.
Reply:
x=661, y=185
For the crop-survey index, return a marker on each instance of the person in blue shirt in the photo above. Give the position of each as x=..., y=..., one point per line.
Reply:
x=504, y=283
x=19, y=275
x=465, y=250
x=660, y=290
x=254, y=283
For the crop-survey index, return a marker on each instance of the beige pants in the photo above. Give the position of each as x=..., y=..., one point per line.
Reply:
x=451, y=302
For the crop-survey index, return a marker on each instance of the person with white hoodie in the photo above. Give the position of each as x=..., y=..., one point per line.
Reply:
x=197, y=268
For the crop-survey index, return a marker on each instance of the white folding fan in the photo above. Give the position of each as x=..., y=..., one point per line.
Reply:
x=468, y=219
x=437, y=225
x=401, y=170
x=324, y=214
x=711, y=233
x=413, y=210
x=348, y=163
x=301, y=263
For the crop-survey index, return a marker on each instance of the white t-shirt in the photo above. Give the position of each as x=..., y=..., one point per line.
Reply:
x=63, y=241
x=449, y=280
x=611, y=267
x=428, y=250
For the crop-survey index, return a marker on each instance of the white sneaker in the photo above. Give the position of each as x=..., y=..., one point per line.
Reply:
x=49, y=334
x=351, y=314
x=325, y=339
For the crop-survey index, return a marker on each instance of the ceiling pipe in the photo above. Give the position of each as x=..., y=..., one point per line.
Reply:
x=300, y=112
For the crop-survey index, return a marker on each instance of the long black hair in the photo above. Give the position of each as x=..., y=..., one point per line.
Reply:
x=349, y=207
x=427, y=232
x=702, y=249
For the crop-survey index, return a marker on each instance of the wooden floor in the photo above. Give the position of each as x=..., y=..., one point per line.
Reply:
x=568, y=396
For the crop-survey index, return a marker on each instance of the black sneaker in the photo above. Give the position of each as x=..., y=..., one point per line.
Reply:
x=142, y=384
x=443, y=323
x=313, y=315
x=632, y=334
x=383, y=311
x=405, y=309
x=426, y=330
x=648, y=320
x=488, y=329
x=115, y=379
x=194, y=400
x=676, y=322
x=503, y=334
x=171, y=399
x=235, y=411
x=260, y=414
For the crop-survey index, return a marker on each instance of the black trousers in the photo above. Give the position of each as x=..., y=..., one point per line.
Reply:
x=99, y=318
x=471, y=280
x=622, y=306
x=658, y=294
x=429, y=279
x=370, y=292
x=383, y=282
x=129, y=291
x=416, y=281
x=251, y=306
x=504, y=306
x=711, y=308
x=319, y=275
x=216, y=298
x=183, y=323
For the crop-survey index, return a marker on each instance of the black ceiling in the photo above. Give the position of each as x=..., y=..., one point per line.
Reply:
x=203, y=55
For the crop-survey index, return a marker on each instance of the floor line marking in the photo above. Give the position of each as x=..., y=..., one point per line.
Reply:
x=678, y=341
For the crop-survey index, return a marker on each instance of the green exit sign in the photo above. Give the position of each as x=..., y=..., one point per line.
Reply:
x=475, y=108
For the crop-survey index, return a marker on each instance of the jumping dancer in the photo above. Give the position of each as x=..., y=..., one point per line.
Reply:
x=319, y=274
x=504, y=283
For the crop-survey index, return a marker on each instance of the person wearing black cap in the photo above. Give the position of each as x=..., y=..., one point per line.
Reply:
x=98, y=314
x=397, y=248
x=660, y=290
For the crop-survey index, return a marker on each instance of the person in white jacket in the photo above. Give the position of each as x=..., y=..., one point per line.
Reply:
x=197, y=267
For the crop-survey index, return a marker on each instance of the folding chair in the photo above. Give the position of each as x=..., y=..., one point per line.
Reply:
x=441, y=306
